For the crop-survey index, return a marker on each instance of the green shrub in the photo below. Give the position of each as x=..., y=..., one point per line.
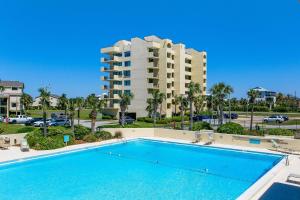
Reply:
x=25, y=129
x=282, y=109
x=201, y=126
x=81, y=131
x=253, y=132
x=54, y=140
x=90, y=138
x=231, y=128
x=118, y=134
x=261, y=109
x=103, y=135
x=278, y=131
x=1, y=130
x=107, y=117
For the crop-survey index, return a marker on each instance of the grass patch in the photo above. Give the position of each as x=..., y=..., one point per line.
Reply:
x=290, y=122
x=84, y=114
x=11, y=128
x=267, y=114
x=137, y=124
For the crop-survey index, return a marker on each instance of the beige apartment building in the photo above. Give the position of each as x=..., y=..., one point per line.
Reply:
x=140, y=66
x=10, y=97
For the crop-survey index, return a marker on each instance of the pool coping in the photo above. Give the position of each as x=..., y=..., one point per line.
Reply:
x=247, y=194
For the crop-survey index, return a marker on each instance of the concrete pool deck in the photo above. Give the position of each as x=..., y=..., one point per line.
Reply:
x=278, y=174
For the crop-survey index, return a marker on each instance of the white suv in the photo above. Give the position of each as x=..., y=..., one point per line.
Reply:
x=274, y=118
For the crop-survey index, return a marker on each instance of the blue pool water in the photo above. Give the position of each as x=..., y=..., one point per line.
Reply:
x=139, y=169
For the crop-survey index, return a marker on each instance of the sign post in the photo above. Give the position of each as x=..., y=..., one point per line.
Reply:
x=66, y=139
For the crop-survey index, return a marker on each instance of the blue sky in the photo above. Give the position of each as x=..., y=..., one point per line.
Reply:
x=56, y=43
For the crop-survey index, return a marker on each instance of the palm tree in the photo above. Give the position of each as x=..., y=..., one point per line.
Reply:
x=149, y=107
x=63, y=103
x=175, y=103
x=1, y=90
x=270, y=102
x=199, y=103
x=252, y=95
x=193, y=89
x=219, y=92
x=26, y=101
x=72, y=105
x=157, y=99
x=92, y=102
x=45, y=102
x=79, y=106
x=161, y=99
x=124, y=102
x=183, y=102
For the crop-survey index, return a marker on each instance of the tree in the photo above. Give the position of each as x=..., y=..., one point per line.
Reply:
x=1, y=90
x=149, y=107
x=63, y=103
x=270, y=102
x=72, y=105
x=199, y=103
x=161, y=99
x=252, y=95
x=220, y=92
x=26, y=101
x=183, y=102
x=175, y=103
x=193, y=90
x=79, y=106
x=92, y=102
x=124, y=102
x=157, y=99
x=45, y=102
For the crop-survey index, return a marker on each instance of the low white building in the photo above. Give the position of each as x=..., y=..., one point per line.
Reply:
x=265, y=94
x=54, y=100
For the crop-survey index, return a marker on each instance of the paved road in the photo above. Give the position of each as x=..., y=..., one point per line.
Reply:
x=87, y=123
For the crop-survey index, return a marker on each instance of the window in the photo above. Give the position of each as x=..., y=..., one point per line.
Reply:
x=14, y=88
x=127, y=54
x=168, y=105
x=118, y=54
x=117, y=73
x=118, y=64
x=126, y=73
x=13, y=105
x=117, y=92
x=169, y=45
x=126, y=91
x=173, y=57
x=117, y=82
x=188, y=69
x=168, y=55
x=204, y=64
x=168, y=65
x=188, y=61
x=127, y=63
x=127, y=83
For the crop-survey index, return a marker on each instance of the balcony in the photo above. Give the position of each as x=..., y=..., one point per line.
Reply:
x=104, y=78
x=153, y=86
x=155, y=45
x=111, y=59
x=153, y=76
x=104, y=87
x=111, y=50
x=153, y=65
x=153, y=55
x=116, y=87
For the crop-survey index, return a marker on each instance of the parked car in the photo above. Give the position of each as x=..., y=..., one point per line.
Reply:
x=285, y=117
x=274, y=118
x=40, y=123
x=31, y=121
x=201, y=117
x=19, y=119
x=128, y=120
x=59, y=122
x=233, y=116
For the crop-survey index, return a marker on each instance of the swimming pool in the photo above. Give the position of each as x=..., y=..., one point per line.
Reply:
x=137, y=169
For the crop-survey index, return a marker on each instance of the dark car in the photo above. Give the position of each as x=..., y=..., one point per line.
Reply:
x=233, y=116
x=128, y=120
x=285, y=117
x=201, y=117
x=31, y=121
x=59, y=122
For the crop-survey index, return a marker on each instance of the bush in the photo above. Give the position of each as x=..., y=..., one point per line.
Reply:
x=25, y=129
x=118, y=134
x=231, y=128
x=103, y=135
x=90, y=138
x=107, y=117
x=278, y=131
x=1, y=130
x=281, y=109
x=81, y=131
x=201, y=126
x=54, y=140
x=260, y=109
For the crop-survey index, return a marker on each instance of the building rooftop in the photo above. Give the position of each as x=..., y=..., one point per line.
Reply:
x=11, y=84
